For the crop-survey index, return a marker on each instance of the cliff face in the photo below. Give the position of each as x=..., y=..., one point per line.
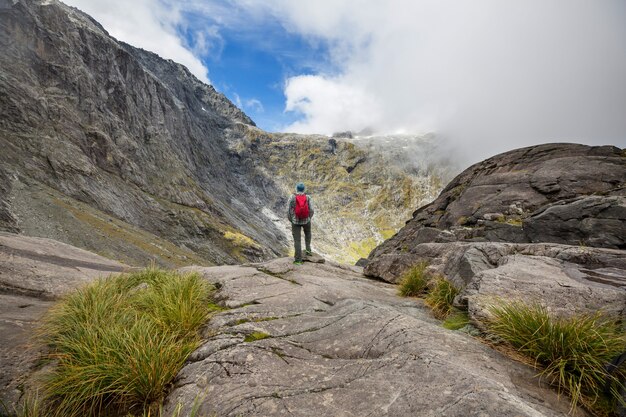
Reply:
x=110, y=156
x=115, y=150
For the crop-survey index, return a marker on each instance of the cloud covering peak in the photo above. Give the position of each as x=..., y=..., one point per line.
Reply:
x=483, y=74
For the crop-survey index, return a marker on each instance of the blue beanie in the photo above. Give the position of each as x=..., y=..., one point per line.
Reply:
x=300, y=187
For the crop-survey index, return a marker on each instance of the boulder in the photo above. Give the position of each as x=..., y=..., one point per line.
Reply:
x=558, y=193
x=597, y=221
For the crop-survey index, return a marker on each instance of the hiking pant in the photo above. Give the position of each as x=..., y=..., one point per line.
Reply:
x=295, y=231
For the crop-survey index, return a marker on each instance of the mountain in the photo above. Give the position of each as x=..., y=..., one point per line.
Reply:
x=113, y=149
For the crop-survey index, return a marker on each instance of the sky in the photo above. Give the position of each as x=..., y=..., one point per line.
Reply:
x=484, y=76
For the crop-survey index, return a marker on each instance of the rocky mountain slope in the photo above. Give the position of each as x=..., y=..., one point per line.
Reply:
x=363, y=192
x=542, y=224
x=115, y=150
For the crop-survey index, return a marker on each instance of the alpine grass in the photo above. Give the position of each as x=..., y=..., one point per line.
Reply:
x=456, y=319
x=440, y=297
x=571, y=352
x=414, y=282
x=119, y=342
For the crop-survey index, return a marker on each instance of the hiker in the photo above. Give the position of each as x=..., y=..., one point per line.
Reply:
x=300, y=214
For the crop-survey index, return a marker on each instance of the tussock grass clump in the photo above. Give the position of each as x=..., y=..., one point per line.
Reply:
x=572, y=351
x=120, y=341
x=440, y=297
x=414, y=282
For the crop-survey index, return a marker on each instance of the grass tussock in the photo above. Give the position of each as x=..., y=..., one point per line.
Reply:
x=439, y=293
x=414, y=282
x=572, y=352
x=119, y=342
x=440, y=297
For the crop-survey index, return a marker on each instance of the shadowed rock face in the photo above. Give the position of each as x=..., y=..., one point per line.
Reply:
x=102, y=142
x=339, y=345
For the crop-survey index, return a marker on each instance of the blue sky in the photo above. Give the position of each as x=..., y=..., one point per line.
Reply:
x=251, y=65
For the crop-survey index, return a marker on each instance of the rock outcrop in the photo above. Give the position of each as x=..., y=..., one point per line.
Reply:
x=541, y=224
x=33, y=273
x=321, y=339
x=559, y=193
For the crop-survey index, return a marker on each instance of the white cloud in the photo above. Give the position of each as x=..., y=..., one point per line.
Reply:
x=248, y=104
x=147, y=24
x=254, y=104
x=488, y=75
x=238, y=102
x=328, y=103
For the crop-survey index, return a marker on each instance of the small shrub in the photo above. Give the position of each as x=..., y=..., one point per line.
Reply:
x=441, y=296
x=120, y=341
x=414, y=281
x=572, y=351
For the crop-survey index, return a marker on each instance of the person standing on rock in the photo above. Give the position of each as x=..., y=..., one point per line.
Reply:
x=300, y=215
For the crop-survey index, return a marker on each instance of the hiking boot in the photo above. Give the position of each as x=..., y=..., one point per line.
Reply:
x=308, y=252
x=297, y=262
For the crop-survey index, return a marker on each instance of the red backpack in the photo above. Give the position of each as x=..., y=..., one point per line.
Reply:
x=302, y=207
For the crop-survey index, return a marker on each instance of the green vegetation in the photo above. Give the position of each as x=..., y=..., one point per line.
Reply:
x=240, y=240
x=141, y=244
x=176, y=413
x=440, y=296
x=572, y=351
x=438, y=292
x=513, y=221
x=120, y=341
x=253, y=337
x=361, y=249
x=457, y=319
x=414, y=282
